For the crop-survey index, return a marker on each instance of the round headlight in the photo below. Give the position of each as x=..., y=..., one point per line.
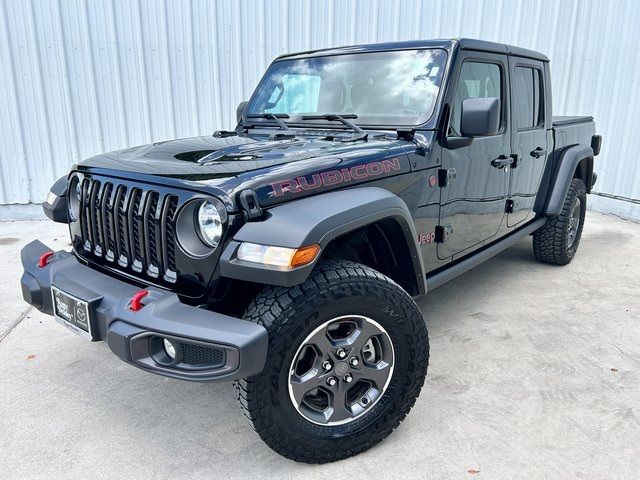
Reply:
x=74, y=194
x=209, y=224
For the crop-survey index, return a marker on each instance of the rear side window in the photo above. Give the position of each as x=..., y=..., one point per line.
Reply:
x=477, y=80
x=527, y=97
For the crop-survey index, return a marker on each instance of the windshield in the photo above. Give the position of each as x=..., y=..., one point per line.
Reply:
x=382, y=88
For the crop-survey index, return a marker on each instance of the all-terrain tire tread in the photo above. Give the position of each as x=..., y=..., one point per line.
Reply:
x=549, y=241
x=272, y=304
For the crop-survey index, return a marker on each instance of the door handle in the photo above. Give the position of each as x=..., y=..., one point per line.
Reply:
x=502, y=161
x=538, y=152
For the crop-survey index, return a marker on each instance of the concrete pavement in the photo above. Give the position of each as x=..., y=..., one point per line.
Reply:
x=535, y=373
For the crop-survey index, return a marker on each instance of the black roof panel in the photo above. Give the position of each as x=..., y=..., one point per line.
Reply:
x=447, y=44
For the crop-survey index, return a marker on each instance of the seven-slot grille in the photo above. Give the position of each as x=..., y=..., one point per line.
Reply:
x=131, y=227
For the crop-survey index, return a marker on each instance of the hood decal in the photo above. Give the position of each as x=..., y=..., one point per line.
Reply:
x=335, y=177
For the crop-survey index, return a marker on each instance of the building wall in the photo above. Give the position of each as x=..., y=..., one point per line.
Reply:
x=82, y=77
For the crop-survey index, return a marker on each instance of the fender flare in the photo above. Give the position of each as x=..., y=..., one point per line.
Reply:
x=567, y=164
x=318, y=220
x=57, y=211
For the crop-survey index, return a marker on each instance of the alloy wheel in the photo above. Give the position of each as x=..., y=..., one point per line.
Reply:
x=341, y=370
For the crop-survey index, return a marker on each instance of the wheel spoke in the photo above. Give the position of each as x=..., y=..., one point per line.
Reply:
x=322, y=342
x=300, y=386
x=377, y=374
x=339, y=410
x=362, y=336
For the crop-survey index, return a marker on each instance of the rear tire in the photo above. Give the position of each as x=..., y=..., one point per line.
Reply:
x=380, y=311
x=556, y=242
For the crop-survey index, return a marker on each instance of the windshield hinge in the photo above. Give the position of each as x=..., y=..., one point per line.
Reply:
x=407, y=134
x=410, y=135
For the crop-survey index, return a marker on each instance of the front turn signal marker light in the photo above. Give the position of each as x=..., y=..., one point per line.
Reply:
x=305, y=255
x=277, y=256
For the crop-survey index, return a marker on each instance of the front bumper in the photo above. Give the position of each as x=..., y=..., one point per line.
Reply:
x=226, y=348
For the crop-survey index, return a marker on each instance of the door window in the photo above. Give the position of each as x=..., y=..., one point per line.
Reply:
x=477, y=80
x=527, y=97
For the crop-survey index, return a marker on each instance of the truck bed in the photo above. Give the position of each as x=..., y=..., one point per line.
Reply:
x=570, y=120
x=569, y=131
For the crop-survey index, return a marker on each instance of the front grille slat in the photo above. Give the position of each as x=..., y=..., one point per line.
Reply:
x=150, y=233
x=85, y=228
x=106, y=215
x=131, y=227
x=167, y=232
x=120, y=226
x=94, y=218
x=135, y=238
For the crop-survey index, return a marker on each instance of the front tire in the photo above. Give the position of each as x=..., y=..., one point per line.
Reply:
x=360, y=344
x=556, y=242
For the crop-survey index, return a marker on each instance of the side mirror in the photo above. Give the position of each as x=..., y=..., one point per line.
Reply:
x=480, y=117
x=240, y=110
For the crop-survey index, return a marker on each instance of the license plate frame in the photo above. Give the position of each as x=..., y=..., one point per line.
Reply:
x=72, y=312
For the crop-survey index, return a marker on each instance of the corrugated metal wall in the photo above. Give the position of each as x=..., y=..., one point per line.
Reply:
x=82, y=77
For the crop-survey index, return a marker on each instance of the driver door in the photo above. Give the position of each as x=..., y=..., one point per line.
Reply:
x=472, y=205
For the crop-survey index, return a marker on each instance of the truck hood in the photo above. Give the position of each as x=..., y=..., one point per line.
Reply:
x=275, y=169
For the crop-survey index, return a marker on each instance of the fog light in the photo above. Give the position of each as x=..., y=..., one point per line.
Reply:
x=169, y=348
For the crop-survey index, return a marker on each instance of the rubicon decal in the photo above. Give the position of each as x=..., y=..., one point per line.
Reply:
x=335, y=177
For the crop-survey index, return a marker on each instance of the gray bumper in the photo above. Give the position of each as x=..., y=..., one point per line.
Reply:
x=231, y=348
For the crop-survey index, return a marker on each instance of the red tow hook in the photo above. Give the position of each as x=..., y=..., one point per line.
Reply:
x=44, y=259
x=136, y=300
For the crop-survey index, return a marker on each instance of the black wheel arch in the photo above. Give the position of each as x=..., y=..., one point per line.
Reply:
x=573, y=162
x=382, y=246
x=334, y=220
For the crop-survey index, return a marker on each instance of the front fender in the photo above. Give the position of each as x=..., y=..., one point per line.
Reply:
x=318, y=220
x=57, y=210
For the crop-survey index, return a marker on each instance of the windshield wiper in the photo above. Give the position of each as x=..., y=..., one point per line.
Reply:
x=272, y=116
x=332, y=117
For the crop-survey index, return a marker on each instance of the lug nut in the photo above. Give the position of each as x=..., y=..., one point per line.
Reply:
x=348, y=378
x=354, y=361
x=326, y=365
x=331, y=381
x=340, y=353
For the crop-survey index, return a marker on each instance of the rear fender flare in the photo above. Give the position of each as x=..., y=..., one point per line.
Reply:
x=318, y=220
x=567, y=165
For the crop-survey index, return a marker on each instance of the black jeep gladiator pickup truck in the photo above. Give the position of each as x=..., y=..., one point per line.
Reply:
x=285, y=254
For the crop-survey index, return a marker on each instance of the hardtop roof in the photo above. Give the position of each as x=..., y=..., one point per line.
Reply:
x=447, y=44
